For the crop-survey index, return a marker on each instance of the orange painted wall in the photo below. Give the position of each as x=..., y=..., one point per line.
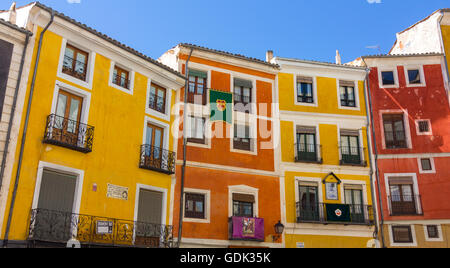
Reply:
x=217, y=181
x=220, y=153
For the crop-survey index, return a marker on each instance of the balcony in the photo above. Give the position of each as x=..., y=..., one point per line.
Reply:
x=352, y=156
x=157, y=159
x=405, y=205
x=68, y=133
x=308, y=153
x=246, y=229
x=48, y=226
x=323, y=213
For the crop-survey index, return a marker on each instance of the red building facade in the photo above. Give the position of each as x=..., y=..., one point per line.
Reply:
x=410, y=115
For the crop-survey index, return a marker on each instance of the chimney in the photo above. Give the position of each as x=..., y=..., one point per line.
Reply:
x=338, y=57
x=12, y=13
x=269, y=55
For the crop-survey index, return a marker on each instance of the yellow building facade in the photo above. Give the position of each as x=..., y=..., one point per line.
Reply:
x=324, y=155
x=97, y=165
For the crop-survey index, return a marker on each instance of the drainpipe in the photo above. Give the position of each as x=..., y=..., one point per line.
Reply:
x=22, y=145
x=369, y=115
x=183, y=168
x=13, y=109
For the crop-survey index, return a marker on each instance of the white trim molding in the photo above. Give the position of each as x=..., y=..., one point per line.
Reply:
x=242, y=189
x=131, y=78
x=413, y=234
x=206, y=208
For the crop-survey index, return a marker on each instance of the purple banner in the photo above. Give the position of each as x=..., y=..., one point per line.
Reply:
x=248, y=228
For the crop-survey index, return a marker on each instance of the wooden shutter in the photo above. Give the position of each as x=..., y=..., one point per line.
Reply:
x=344, y=83
x=304, y=79
x=242, y=83
x=57, y=192
x=244, y=198
x=150, y=207
x=306, y=130
x=401, y=181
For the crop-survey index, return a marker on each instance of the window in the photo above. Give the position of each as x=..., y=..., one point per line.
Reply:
x=68, y=114
x=402, y=197
x=157, y=99
x=196, y=130
x=75, y=62
x=306, y=147
x=402, y=234
x=350, y=150
x=195, y=206
x=426, y=164
x=197, y=87
x=121, y=77
x=347, y=90
x=243, y=205
x=242, y=140
x=242, y=95
x=388, y=78
x=423, y=126
x=394, y=131
x=354, y=198
x=308, y=206
x=305, y=90
x=433, y=231
x=414, y=76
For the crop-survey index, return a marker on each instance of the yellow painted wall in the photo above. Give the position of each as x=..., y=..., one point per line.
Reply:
x=446, y=39
x=118, y=119
x=327, y=91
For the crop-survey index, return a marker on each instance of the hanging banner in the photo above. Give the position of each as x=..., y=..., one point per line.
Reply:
x=221, y=104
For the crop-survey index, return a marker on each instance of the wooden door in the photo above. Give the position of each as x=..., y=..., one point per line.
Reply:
x=154, y=142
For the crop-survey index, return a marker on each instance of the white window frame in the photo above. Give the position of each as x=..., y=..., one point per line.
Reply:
x=130, y=76
x=243, y=189
x=380, y=77
x=421, y=72
x=164, y=126
x=299, y=180
x=254, y=108
x=166, y=115
x=360, y=140
x=76, y=91
x=406, y=126
x=391, y=236
x=315, y=94
x=251, y=122
x=356, y=89
x=207, y=132
x=415, y=187
x=90, y=65
x=319, y=146
x=429, y=133
x=207, y=206
x=439, y=229
x=419, y=163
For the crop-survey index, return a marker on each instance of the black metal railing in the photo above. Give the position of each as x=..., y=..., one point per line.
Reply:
x=78, y=70
x=405, y=205
x=348, y=103
x=399, y=142
x=60, y=227
x=352, y=156
x=307, y=153
x=317, y=213
x=305, y=99
x=157, y=103
x=121, y=81
x=68, y=133
x=157, y=159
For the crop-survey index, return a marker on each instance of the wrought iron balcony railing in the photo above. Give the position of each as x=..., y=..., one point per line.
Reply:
x=157, y=159
x=78, y=70
x=60, y=227
x=352, y=156
x=319, y=213
x=121, y=81
x=68, y=133
x=307, y=153
x=405, y=205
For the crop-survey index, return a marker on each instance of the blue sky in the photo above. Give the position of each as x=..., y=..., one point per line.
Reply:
x=303, y=29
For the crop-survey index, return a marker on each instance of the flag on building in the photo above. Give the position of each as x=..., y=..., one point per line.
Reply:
x=221, y=106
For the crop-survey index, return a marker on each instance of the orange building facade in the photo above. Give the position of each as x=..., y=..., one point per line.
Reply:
x=231, y=178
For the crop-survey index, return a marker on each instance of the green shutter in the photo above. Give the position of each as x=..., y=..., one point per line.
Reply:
x=198, y=74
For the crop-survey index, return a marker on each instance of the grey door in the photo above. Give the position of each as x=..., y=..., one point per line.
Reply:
x=54, y=217
x=148, y=227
